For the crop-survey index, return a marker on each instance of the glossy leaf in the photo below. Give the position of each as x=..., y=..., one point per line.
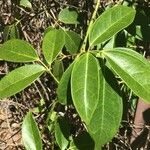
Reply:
x=16, y=50
x=58, y=69
x=62, y=133
x=63, y=87
x=84, y=86
x=133, y=68
x=72, y=41
x=25, y=3
x=68, y=16
x=109, y=44
x=19, y=79
x=30, y=133
x=53, y=43
x=50, y=28
x=110, y=22
x=107, y=116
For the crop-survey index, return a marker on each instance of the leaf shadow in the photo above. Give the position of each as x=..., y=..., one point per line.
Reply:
x=84, y=141
x=64, y=126
x=142, y=19
x=110, y=78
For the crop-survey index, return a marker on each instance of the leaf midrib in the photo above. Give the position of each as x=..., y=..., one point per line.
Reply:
x=70, y=38
x=125, y=52
x=128, y=75
x=110, y=27
x=32, y=130
x=26, y=77
x=22, y=54
x=85, y=85
x=103, y=105
x=34, y=136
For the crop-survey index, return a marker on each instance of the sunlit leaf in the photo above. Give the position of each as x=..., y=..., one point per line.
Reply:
x=50, y=28
x=16, y=50
x=19, y=79
x=68, y=16
x=25, y=3
x=53, y=43
x=72, y=41
x=84, y=86
x=106, y=118
x=111, y=22
x=30, y=133
x=133, y=68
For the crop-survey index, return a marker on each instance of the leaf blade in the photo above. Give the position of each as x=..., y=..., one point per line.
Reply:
x=62, y=133
x=109, y=23
x=16, y=50
x=132, y=68
x=86, y=75
x=26, y=3
x=58, y=69
x=53, y=43
x=68, y=17
x=82, y=141
x=19, y=79
x=62, y=90
x=30, y=133
x=72, y=41
x=107, y=116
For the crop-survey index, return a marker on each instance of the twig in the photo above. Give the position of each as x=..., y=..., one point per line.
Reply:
x=83, y=47
x=49, y=71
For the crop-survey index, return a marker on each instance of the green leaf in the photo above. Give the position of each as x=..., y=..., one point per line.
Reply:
x=6, y=32
x=11, y=31
x=107, y=116
x=84, y=85
x=72, y=41
x=133, y=68
x=63, y=87
x=19, y=79
x=14, y=32
x=53, y=43
x=82, y=142
x=68, y=16
x=120, y=40
x=30, y=133
x=16, y=50
x=109, y=44
x=62, y=133
x=58, y=69
x=50, y=28
x=25, y=3
x=109, y=23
